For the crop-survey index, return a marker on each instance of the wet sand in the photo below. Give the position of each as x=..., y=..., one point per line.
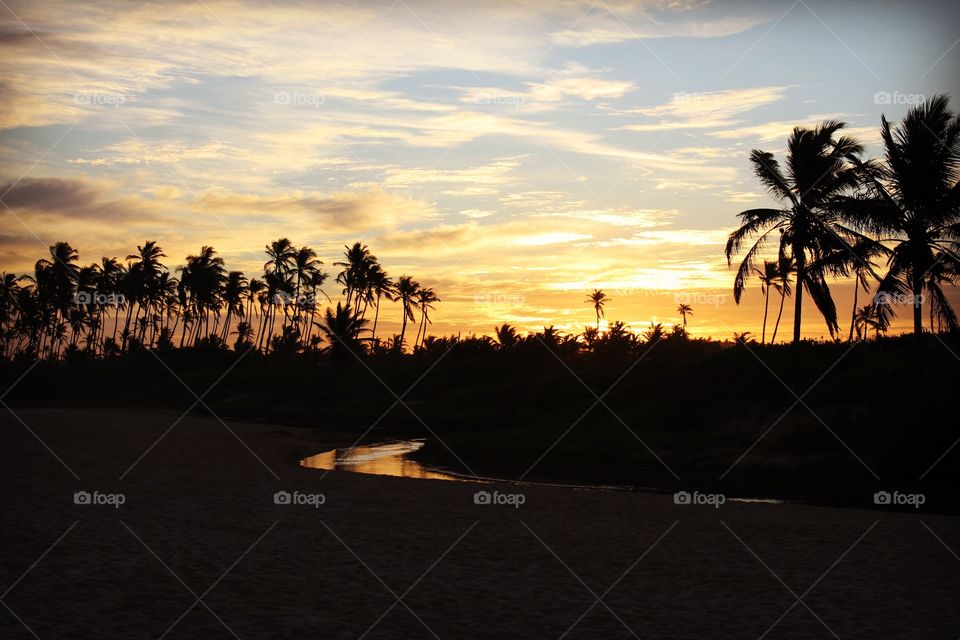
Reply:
x=403, y=558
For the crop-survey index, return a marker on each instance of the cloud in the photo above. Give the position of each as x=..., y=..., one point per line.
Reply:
x=707, y=110
x=780, y=130
x=339, y=211
x=136, y=151
x=73, y=199
x=492, y=175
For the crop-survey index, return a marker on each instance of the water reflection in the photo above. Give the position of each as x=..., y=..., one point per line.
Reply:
x=388, y=459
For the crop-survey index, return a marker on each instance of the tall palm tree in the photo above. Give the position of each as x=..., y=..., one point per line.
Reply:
x=425, y=299
x=234, y=296
x=598, y=298
x=314, y=286
x=305, y=263
x=913, y=203
x=382, y=286
x=143, y=269
x=769, y=278
x=204, y=276
x=786, y=267
x=9, y=309
x=685, y=310
x=62, y=276
x=356, y=266
x=809, y=225
x=406, y=292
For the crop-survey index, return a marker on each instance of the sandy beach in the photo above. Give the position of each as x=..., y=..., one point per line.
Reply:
x=199, y=549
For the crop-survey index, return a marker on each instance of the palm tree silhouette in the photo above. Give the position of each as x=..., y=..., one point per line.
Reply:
x=598, y=298
x=356, y=266
x=506, y=336
x=382, y=286
x=810, y=227
x=425, y=299
x=234, y=296
x=685, y=310
x=912, y=203
x=342, y=330
x=406, y=292
x=769, y=277
x=786, y=267
x=143, y=269
x=655, y=333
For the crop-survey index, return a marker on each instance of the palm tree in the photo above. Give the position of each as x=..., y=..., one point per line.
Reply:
x=9, y=293
x=425, y=299
x=809, y=226
x=874, y=315
x=406, y=292
x=655, y=333
x=382, y=287
x=142, y=271
x=598, y=298
x=768, y=278
x=305, y=263
x=61, y=276
x=913, y=204
x=234, y=295
x=506, y=336
x=685, y=310
x=786, y=267
x=342, y=331
x=356, y=265
x=315, y=281
x=204, y=276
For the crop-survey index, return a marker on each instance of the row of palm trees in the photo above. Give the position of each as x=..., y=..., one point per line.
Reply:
x=842, y=213
x=111, y=306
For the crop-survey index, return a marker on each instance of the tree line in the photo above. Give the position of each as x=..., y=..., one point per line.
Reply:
x=110, y=307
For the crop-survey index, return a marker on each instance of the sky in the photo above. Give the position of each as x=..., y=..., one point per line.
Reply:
x=511, y=155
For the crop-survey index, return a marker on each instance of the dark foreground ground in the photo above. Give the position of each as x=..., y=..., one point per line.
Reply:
x=819, y=423
x=397, y=558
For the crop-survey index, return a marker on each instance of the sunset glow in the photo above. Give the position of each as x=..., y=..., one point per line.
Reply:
x=512, y=156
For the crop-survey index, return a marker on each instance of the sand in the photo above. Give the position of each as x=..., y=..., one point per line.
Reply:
x=402, y=558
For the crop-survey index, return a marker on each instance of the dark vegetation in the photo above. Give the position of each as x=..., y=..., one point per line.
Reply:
x=699, y=405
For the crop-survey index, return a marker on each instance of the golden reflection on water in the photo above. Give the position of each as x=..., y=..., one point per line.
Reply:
x=387, y=459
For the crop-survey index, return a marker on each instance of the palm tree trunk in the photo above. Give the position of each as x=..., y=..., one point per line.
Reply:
x=917, y=306
x=783, y=298
x=766, y=306
x=853, y=314
x=403, y=329
x=798, y=300
x=376, y=316
x=126, y=327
